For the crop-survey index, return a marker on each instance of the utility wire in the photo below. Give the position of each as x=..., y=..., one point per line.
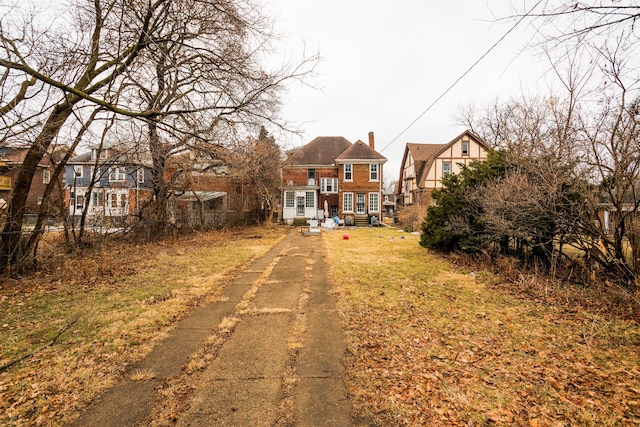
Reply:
x=463, y=75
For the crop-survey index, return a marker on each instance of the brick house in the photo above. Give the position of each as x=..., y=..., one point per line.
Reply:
x=424, y=165
x=122, y=183
x=11, y=159
x=332, y=177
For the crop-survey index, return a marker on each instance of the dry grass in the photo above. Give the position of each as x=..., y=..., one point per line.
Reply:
x=113, y=306
x=431, y=345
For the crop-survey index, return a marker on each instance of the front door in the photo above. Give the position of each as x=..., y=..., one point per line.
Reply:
x=300, y=206
x=361, y=207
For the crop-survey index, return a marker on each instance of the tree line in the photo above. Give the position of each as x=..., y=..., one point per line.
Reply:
x=561, y=185
x=160, y=75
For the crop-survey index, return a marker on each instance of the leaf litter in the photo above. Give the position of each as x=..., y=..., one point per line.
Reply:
x=431, y=345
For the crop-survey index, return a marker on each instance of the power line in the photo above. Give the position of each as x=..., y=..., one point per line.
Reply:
x=463, y=75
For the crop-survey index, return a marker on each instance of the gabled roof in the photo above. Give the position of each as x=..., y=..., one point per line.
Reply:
x=425, y=154
x=323, y=150
x=436, y=153
x=360, y=151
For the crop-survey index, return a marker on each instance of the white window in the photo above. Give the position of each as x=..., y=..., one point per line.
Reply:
x=348, y=172
x=374, y=202
x=96, y=199
x=446, y=168
x=113, y=199
x=347, y=202
x=40, y=199
x=465, y=148
x=373, y=172
x=46, y=176
x=329, y=185
x=310, y=199
x=140, y=175
x=77, y=171
x=117, y=173
x=289, y=199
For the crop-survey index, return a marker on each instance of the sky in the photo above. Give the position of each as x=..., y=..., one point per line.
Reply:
x=384, y=63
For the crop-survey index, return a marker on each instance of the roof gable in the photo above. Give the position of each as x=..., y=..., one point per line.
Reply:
x=444, y=147
x=360, y=151
x=323, y=150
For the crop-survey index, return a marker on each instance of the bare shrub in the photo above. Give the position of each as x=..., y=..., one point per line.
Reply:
x=410, y=217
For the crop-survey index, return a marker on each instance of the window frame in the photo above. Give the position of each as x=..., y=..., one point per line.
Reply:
x=46, y=176
x=77, y=171
x=117, y=174
x=289, y=199
x=347, y=207
x=348, y=175
x=324, y=186
x=446, y=168
x=374, y=170
x=465, y=148
x=309, y=199
x=374, y=202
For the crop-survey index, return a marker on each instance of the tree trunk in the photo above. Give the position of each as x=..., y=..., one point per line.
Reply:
x=12, y=255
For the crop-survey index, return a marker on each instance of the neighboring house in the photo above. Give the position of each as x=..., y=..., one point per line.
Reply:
x=11, y=159
x=122, y=183
x=424, y=165
x=199, y=187
x=331, y=177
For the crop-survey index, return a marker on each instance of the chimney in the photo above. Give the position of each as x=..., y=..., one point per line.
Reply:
x=372, y=143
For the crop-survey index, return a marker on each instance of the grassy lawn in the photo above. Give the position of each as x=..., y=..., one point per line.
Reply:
x=111, y=308
x=432, y=345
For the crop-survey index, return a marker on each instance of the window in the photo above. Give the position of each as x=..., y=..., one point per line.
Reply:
x=348, y=172
x=117, y=174
x=373, y=172
x=311, y=177
x=310, y=199
x=446, y=168
x=40, y=199
x=140, y=175
x=329, y=185
x=77, y=171
x=289, y=199
x=347, y=202
x=465, y=148
x=79, y=202
x=46, y=176
x=123, y=200
x=96, y=199
x=374, y=202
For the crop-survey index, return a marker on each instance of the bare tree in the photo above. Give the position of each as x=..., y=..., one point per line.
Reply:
x=170, y=63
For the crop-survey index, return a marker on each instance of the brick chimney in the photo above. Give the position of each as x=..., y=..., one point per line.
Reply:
x=372, y=143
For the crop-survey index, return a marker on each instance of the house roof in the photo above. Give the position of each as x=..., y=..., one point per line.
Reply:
x=202, y=196
x=323, y=150
x=436, y=153
x=425, y=154
x=360, y=151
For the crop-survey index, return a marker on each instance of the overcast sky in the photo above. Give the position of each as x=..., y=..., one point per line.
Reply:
x=383, y=63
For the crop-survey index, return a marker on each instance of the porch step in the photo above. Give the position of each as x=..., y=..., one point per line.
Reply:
x=361, y=221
